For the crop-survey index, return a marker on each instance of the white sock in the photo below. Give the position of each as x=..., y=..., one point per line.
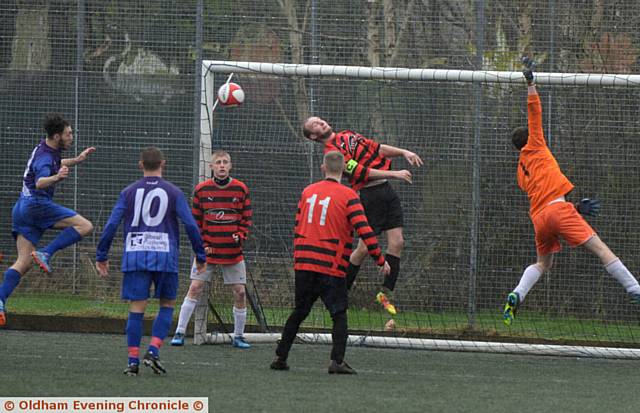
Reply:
x=188, y=305
x=239, y=320
x=618, y=271
x=530, y=276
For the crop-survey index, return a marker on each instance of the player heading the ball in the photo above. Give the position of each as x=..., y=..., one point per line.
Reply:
x=368, y=165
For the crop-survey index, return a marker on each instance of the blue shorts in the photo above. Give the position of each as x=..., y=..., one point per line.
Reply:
x=32, y=216
x=136, y=285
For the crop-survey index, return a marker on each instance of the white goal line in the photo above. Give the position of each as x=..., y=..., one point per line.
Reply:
x=395, y=73
x=444, y=345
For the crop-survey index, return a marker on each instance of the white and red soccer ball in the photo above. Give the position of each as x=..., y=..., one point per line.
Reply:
x=230, y=95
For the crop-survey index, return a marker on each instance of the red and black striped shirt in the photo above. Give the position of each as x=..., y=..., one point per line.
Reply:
x=328, y=212
x=360, y=155
x=220, y=212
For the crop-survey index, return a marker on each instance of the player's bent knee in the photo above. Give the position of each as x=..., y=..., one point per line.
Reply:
x=166, y=302
x=240, y=296
x=544, y=266
x=301, y=313
x=84, y=227
x=396, y=245
x=195, y=290
x=23, y=266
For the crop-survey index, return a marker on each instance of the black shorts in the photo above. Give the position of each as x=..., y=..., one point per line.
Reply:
x=332, y=291
x=382, y=206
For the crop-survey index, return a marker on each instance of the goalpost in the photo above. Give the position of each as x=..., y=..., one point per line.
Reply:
x=468, y=236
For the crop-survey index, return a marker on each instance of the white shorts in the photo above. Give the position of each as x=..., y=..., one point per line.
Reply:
x=231, y=273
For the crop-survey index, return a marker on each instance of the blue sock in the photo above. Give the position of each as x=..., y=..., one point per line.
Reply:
x=9, y=283
x=134, y=336
x=160, y=328
x=68, y=236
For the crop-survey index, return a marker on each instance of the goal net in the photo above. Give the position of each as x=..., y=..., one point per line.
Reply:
x=468, y=236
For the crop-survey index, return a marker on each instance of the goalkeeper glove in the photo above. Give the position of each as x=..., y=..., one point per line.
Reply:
x=529, y=66
x=589, y=207
x=529, y=63
x=528, y=75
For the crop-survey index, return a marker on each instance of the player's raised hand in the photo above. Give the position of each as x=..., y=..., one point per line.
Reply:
x=103, y=268
x=83, y=155
x=412, y=158
x=529, y=67
x=63, y=172
x=385, y=269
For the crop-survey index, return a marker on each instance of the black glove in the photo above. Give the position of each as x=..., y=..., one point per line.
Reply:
x=529, y=63
x=529, y=66
x=589, y=207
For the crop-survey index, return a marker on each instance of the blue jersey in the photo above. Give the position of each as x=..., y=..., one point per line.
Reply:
x=44, y=162
x=151, y=208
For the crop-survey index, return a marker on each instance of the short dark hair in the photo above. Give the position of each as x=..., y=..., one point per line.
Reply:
x=151, y=158
x=519, y=137
x=54, y=123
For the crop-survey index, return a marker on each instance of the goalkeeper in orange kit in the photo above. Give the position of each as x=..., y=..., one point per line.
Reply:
x=539, y=175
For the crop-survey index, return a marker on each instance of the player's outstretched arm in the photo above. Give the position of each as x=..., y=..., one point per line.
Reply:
x=402, y=175
x=529, y=67
x=80, y=158
x=389, y=151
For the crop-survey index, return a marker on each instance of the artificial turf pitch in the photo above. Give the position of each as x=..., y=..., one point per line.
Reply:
x=389, y=380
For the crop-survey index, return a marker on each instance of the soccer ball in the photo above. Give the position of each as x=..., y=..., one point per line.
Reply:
x=230, y=94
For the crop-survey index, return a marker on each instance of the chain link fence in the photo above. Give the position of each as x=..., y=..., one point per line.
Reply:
x=127, y=74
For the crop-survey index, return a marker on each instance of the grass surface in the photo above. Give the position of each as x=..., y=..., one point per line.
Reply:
x=75, y=365
x=488, y=324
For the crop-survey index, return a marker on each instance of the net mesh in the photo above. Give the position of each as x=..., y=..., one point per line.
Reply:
x=459, y=262
x=127, y=75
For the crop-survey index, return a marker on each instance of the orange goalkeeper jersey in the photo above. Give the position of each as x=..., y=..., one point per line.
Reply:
x=539, y=174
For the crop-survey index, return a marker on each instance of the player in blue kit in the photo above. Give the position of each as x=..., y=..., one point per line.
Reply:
x=35, y=211
x=150, y=208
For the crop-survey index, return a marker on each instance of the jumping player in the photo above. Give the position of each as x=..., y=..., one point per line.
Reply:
x=368, y=164
x=35, y=212
x=539, y=175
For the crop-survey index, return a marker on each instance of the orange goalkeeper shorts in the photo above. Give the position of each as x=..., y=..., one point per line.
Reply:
x=560, y=219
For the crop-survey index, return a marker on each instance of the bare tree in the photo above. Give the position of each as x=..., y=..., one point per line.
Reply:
x=31, y=49
x=296, y=29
